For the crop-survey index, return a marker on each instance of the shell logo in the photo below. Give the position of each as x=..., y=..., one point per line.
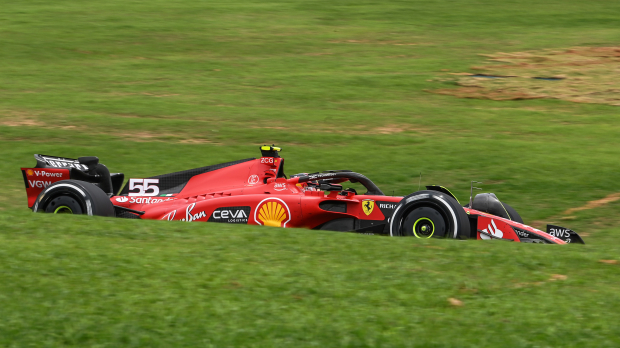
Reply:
x=30, y=172
x=272, y=212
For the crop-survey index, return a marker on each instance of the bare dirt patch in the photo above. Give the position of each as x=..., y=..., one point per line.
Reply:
x=394, y=129
x=386, y=129
x=25, y=119
x=374, y=42
x=196, y=141
x=156, y=95
x=566, y=215
x=21, y=122
x=579, y=74
x=595, y=204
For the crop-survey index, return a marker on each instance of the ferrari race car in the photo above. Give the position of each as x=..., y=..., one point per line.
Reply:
x=257, y=192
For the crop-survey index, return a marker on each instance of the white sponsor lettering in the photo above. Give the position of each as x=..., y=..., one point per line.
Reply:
x=522, y=233
x=142, y=200
x=143, y=185
x=317, y=176
x=492, y=230
x=229, y=214
x=170, y=216
x=559, y=233
x=64, y=164
x=268, y=160
x=191, y=217
x=387, y=206
x=39, y=184
x=47, y=174
x=253, y=179
x=279, y=186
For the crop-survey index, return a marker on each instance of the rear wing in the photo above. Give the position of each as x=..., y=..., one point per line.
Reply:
x=45, y=161
x=51, y=169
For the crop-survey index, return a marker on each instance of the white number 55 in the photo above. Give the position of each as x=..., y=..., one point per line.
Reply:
x=143, y=185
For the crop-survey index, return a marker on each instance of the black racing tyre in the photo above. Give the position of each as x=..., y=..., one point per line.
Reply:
x=74, y=197
x=424, y=222
x=514, y=216
x=429, y=214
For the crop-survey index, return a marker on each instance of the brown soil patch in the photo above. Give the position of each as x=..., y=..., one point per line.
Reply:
x=595, y=204
x=555, y=277
x=590, y=205
x=23, y=119
x=281, y=128
x=394, y=129
x=371, y=42
x=455, y=302
x=586, y=75
x=21, y=122
x=156, y=95
x=387, y=129
x=196, y=141
x=317, y=54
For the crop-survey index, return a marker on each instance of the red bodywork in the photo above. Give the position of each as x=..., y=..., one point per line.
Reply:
x=251, y=193
x=274, y=202
x=502, y=228
x=37, y=179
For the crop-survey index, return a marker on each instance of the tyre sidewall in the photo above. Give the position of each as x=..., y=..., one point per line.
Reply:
x=424, y=216
x=67, y=201
x=90, y=197
x=456, y=220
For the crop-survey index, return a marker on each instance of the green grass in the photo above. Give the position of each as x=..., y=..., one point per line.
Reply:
x=339, y=85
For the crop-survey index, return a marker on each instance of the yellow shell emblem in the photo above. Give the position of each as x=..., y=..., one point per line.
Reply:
x=272, y=214
x=367, y=206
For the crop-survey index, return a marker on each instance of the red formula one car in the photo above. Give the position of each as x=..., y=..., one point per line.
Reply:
x=257, y=192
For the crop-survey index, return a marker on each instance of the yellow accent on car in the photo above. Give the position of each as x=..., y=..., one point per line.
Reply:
x=272, y=214
x=368, y=205
x=457, y=200
x=270, y=148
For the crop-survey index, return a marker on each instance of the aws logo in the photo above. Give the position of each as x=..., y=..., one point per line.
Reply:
x=272, y=212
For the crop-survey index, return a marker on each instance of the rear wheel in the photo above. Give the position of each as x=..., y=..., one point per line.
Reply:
x=74, y=197
x=63, y=205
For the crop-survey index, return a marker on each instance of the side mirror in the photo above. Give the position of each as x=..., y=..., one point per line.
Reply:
x=89, y=161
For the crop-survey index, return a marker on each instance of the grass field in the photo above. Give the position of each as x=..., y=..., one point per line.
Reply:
x=159, y=86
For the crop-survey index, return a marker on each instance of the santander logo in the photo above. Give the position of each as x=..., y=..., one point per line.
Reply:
x=492, y=230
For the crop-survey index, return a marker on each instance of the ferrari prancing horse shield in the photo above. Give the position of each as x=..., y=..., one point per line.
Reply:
x=367, y=206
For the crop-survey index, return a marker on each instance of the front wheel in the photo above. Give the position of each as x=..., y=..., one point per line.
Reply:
x=429, y=214
x=424, y=222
